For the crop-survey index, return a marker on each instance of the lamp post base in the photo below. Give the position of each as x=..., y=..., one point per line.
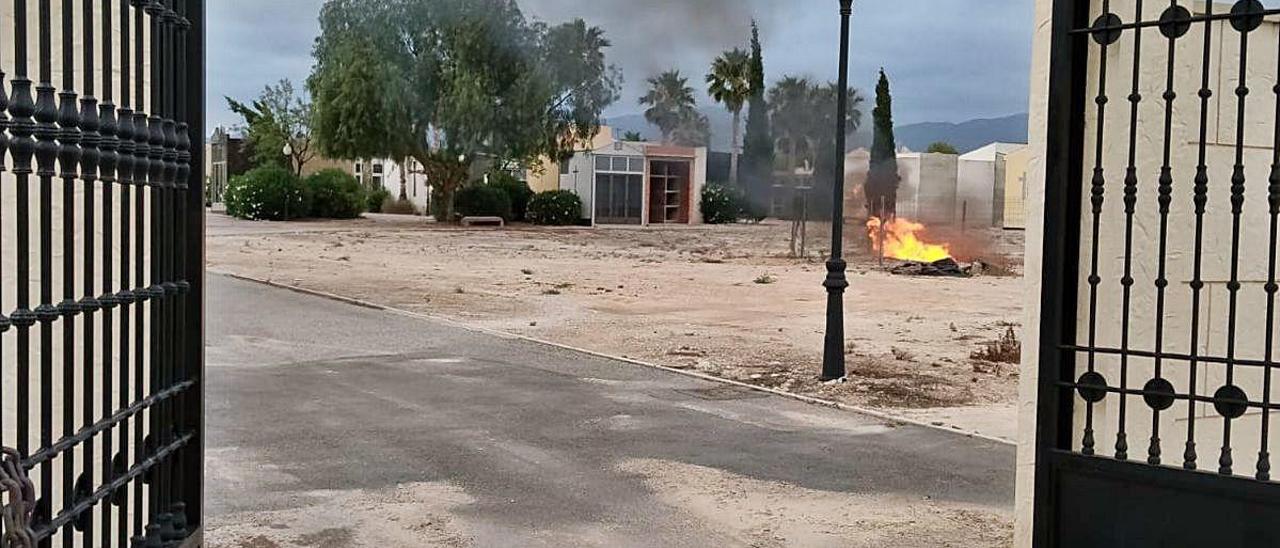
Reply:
x=833, y=365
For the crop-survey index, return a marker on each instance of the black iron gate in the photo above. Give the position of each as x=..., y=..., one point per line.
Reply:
x=101, y=272
x=1159, y=310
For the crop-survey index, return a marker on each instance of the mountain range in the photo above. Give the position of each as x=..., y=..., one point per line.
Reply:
x=964, y=136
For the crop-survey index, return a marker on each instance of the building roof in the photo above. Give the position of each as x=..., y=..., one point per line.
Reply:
x=988, y=153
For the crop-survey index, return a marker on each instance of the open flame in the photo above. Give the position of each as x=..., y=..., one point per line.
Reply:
x=901, y=238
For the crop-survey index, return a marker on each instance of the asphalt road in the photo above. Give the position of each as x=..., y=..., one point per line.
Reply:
x=329, y=412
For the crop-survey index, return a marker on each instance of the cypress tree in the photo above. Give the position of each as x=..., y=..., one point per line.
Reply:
x=757, y=156
x=882, y=180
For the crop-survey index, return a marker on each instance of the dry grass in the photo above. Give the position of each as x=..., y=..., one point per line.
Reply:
x=1006, y=349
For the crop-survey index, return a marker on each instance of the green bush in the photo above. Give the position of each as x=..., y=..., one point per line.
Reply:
x=555, y=208
x=335, y=195
x=267, y=193
x=721, y=204
x=376, y=198
x=482, y=201
x=518, y=192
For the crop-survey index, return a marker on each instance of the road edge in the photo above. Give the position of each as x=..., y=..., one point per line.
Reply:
x=882, y=415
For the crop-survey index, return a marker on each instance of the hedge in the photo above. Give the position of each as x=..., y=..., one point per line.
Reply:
x=555, y=208
x=335, y=195
x=267, y=193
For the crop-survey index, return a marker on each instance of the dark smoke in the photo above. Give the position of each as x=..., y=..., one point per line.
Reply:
x=650, y=36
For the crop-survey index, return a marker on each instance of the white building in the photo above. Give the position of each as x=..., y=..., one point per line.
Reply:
x=636, y=183
x=978, y=189
x=927, y=188
x=407, y=178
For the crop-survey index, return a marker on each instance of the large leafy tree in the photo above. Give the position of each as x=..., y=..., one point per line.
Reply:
x=882, y=180
x=279, y=120
x=583, y=82
x=670, y=103
x=729, y=83
x=454, y=82
x=757, y=153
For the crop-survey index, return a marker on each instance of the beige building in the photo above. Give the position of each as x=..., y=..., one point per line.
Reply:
x=979, y=190
x=1011, y=167
x=551, y=175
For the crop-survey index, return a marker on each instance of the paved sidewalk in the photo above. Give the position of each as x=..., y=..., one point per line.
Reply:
x=335, y=425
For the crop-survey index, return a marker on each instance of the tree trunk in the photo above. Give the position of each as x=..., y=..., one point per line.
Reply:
x=736, y=150
x=404, y=194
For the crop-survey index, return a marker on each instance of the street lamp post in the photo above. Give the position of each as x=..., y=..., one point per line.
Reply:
x=833, y=366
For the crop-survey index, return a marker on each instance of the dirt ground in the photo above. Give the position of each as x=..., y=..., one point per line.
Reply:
x=724, y=300
x=768, y=514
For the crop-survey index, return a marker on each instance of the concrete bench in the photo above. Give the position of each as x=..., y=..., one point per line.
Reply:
x=483, y=221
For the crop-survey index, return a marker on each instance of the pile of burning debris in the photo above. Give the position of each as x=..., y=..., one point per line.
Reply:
x=946, y=268
x=899, y=242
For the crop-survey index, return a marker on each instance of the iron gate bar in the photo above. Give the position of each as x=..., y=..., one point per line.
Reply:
x=118, y=418
x=1099, y=196
x=23, y=148
x=1208, y=17
x=46, y=116
x=1165, y=200
x=1238, y=179
x=1130, y=203
x=124, y=168
x=192, y=86
x=137, y=147
x=68, y=157
x=1201, y=200
x=1161, y=394
x=1105, y=350
x=90, y=140
x=109, y=160
x=1264, y=456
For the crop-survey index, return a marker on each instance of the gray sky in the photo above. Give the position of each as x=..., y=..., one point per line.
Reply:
x=949, y=60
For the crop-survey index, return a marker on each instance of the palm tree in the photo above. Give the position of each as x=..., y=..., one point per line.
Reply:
x=803, y=115
x=669, y=100
x=729, y=83
x=825, y=103
x=791, y=110
x=633, y=137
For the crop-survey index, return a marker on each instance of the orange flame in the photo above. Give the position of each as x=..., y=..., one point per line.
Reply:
x=902, y=241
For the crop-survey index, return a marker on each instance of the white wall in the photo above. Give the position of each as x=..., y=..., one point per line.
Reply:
x=417, y=190
x=696, y=182
x=1028, y=384
x=975, y=191
x=927, y=189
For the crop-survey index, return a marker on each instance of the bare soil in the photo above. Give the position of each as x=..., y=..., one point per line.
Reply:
x=724, y=300
x=769, y=514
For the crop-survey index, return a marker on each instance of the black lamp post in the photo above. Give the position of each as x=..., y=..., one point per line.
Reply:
x=833, y=349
